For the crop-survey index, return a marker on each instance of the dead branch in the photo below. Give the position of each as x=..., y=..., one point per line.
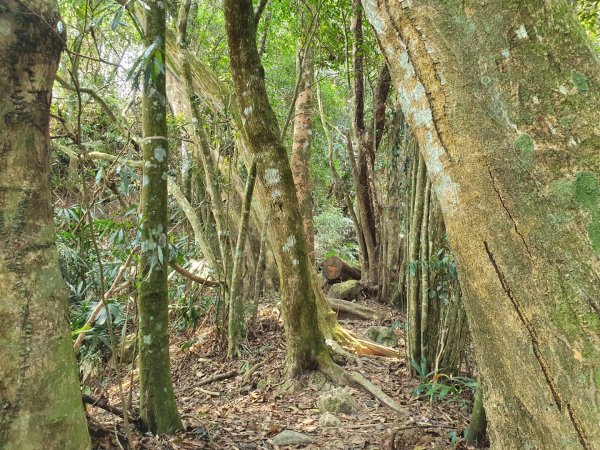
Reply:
x=103, y=404
x=186, y=273
x=218, y=377
x=100, y=305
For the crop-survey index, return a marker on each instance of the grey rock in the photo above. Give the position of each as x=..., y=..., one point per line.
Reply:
x=383, y=336
x=289, y=437
x=337, y=401
x=262, y=384
x=329, y=420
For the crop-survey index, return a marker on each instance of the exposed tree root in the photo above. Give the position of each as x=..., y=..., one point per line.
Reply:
x=331, y=329
x=344, y=377
x=357, y=379
x=359, y=346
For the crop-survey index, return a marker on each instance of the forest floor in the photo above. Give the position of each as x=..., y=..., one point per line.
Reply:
x=255, y=402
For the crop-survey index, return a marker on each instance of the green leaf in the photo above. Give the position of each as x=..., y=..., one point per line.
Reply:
x=117, y=19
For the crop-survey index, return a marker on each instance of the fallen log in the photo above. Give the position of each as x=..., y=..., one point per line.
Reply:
x=347, y=290
x=336, y=270
x=353, y=309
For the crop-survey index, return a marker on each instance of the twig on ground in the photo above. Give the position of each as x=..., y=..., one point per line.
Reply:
x=218, y=377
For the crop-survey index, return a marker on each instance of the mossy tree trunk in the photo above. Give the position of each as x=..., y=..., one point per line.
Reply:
x=158, y=408
x=475, y=433
x=40, y=399
x=305, y=342
x=303, y=119
x=236, y=322
x=503, y=100
x=392, y=188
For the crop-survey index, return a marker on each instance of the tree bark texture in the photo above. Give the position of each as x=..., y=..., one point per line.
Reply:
x=303, y=128
x=503, y=97
x=158, y=408
x=40, y=399
x=275, y=186
x=362, y=164
x=236, y=322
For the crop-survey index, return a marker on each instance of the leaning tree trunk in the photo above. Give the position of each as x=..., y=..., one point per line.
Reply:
x=39, y=391
x=158, y=408
x=303, y=128
x=504, y=102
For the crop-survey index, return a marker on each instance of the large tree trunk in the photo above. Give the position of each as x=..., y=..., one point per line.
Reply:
x=158, y=409
x=504, y=102
x=304, y=106
x=39, y=391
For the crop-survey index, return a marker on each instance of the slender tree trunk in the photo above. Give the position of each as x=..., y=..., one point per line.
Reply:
x=303, y=128
x=236, y=305
x=412, y=273
x=259, y=275
x=305, y=341
x=158, y=408
x=361, y=163
x=504, y=102
x=40, y=399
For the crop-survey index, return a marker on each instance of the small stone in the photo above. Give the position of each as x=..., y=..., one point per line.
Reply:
x=329, y=420
x=383, y=336
x=289, y=387
x=318, y=380
x=337, y=401
x=289, y=437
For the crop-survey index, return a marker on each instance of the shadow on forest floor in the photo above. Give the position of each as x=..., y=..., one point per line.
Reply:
x=246, y=411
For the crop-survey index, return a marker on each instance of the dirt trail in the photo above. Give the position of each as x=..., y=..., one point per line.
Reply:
x=247, y=410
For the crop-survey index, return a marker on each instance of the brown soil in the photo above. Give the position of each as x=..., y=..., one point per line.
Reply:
x=247, y=410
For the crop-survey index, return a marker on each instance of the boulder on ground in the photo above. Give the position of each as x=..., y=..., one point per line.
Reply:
x=289, y=437
x=337, y=401
x=125, y=350
x=328, y=420
x=382, y=335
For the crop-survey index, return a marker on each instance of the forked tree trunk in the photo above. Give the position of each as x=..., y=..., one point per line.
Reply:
x=158, y=409
x=504, y=100
x=40, y=400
